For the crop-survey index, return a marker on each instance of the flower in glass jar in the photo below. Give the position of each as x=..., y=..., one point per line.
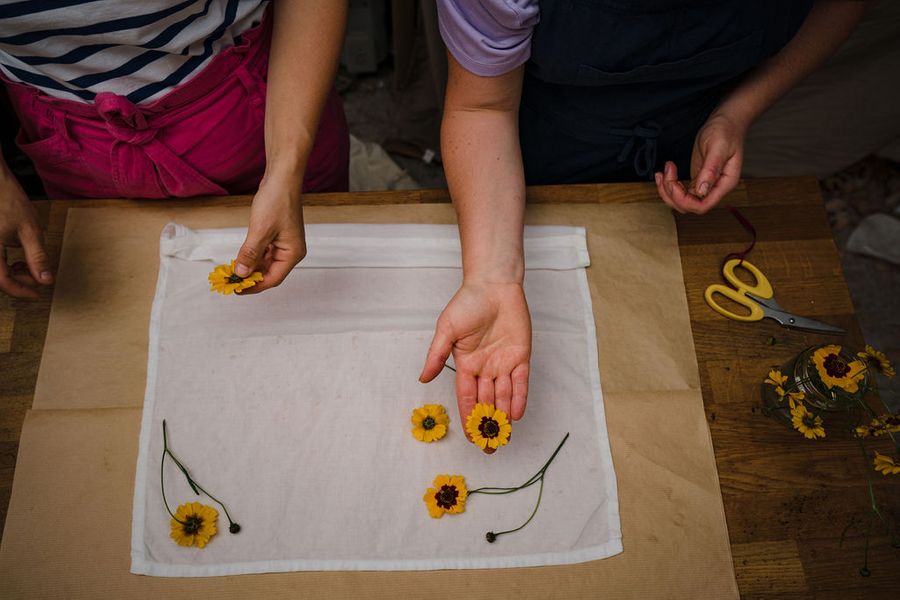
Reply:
x=807, y=423
x=877, y=360
x=885, y=464
x=835, y=371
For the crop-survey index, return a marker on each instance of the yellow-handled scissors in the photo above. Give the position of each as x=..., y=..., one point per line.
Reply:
x=759, y=299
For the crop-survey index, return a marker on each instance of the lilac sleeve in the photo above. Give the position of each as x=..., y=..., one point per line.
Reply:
x=488, y=37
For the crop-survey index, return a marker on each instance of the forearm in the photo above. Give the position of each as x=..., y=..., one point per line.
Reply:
x=826, y=27
x=306, y=44
x=483, y=164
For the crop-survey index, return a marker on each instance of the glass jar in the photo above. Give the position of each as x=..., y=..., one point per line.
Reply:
x=803, y=376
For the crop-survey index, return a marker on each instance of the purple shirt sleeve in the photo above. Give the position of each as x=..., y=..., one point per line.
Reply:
x=488, y=37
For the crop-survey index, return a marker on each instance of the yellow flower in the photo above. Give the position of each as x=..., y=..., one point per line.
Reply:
x=834, y=370
x=429, y=422
x=194, y=524
x=447, y=496
x=488, y=427
x=794, y=398
x=806, y=423
x=885, y=465
x=776, y=378
x=864, y=431
x=224, y=280
x=877, y=360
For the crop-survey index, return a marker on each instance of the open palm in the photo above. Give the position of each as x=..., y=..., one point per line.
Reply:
x=488, y=329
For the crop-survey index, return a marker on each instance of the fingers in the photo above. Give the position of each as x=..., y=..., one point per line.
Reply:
x=673, y=193
x=519, y=378
x=728, y=179
x=466, y=396
x=714, y=157
x=13, y=283
x=503, y=393
x=35, y=254
x=252, y=252
x=438, y=353
x=486, y=390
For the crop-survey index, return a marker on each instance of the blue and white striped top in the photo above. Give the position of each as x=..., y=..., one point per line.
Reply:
x=140, y=49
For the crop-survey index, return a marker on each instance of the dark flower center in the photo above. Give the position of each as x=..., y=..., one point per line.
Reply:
x=235, y=278
x=428, y=423
x=810, y=421
x=192, y=524
x=446, y=496
x=489, y=428
x=836, y=366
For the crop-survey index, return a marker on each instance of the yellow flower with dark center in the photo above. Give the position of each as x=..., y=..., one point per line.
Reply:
x=885, y=465
x=429, y=422
x=834, y=370
x=224, y=280
x=447, y=496
x=878, y=360
x=805, y=422
x=488, y=427
x=194, y=524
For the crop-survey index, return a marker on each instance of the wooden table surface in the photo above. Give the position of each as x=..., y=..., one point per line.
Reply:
x=787, y=500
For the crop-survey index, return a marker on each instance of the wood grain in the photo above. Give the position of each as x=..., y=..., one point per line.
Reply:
x=787, y=500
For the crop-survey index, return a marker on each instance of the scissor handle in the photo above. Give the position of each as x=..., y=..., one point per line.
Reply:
x=761, y=288
x=756, y=312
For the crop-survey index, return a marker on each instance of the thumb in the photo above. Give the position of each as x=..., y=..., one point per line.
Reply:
x=714, y=154
x=438, y=353
x=36, y=254
x=251, y=253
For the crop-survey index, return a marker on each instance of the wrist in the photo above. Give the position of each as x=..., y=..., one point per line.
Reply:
x=511, y=271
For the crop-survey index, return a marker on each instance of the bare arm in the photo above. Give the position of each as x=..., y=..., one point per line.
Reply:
x=718, y=150
x=306, y=43
x=486, y=325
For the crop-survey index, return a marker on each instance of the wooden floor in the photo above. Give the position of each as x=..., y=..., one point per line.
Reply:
x=787, y=500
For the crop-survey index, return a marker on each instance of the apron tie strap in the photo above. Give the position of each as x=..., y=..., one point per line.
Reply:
x=645, y=154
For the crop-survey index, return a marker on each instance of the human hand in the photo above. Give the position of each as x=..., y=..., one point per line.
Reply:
x=19, y=226
x=275, y=240
x=488, y=329
x=715, y=167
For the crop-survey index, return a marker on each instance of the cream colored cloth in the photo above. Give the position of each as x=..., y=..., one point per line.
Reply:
x=293, y=408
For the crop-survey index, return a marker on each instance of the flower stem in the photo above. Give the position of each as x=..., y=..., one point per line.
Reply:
x=196, y=487
x=531, y=481
x=534, y=512
x=449, y=367
x=536, y=478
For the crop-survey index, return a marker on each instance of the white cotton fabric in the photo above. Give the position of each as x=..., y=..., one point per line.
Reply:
x=293, y=408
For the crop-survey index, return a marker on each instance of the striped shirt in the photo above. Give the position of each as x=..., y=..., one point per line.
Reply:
x=139, y=49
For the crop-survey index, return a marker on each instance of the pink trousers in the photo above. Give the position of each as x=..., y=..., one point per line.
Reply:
x=203, y=138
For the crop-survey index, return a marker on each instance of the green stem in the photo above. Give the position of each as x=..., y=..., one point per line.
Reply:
x=196, y=487
x=534, y=512
x=531, y=481
x=449, y=367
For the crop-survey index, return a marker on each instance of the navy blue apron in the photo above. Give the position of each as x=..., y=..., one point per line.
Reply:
x=614, y=88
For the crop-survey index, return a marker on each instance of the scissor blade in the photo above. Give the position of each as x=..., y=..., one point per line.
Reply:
x=793, y=321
